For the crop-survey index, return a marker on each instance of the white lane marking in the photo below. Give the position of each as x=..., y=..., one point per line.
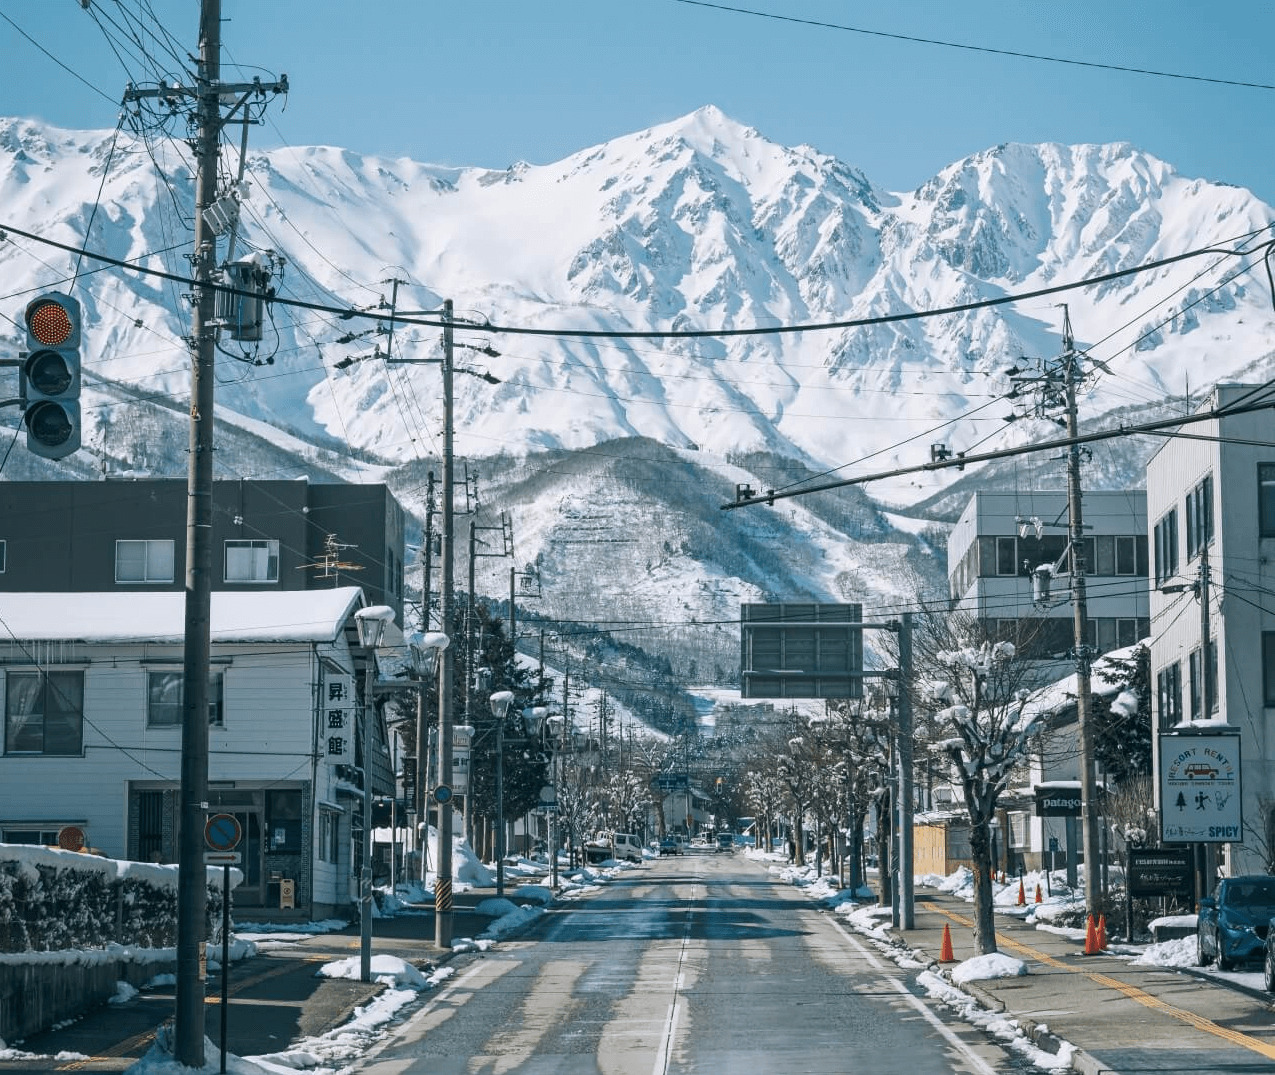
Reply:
x=401, y=1034
x=679, y=983
x=974, y=1059
x=977, y=1061
x=666, y=1044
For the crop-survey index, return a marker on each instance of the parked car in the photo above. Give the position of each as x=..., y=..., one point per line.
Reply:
x=627, y=846
x=1268, y=963
x=1233, y=925
x=670, y=846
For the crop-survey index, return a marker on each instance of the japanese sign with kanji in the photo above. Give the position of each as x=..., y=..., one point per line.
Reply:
x=337, y=718
x=1200, y=788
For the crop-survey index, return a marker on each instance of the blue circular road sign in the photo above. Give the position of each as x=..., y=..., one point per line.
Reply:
x=442, y=794
x=222, y=832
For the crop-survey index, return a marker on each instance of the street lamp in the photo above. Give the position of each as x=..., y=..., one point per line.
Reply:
x=426, y=652
x=371, y=625
x=500, y=703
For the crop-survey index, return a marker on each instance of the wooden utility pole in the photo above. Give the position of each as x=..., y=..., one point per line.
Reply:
x=443, y=917
x=197, y=653
x=1089, y=822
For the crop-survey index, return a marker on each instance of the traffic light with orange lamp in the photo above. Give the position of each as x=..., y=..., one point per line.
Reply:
x=49, y=376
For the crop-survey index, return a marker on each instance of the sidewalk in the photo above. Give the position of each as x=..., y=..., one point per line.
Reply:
x=275, y=997
x=1119, y=1016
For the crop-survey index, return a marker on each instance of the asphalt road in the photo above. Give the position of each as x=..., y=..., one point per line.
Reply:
x=698, y=963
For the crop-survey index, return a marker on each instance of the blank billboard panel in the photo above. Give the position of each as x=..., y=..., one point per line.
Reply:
x=791, y=650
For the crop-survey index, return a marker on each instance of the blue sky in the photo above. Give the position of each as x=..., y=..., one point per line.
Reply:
x=489, y=82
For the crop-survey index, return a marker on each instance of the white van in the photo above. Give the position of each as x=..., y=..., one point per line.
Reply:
x=627, y=846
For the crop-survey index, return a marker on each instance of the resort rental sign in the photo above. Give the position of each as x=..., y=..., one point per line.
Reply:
x=1200, y=788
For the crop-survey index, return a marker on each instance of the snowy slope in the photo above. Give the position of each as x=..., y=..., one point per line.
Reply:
x=696, y=223
x=613, y=456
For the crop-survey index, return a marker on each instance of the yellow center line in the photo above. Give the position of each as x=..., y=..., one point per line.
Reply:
x=1147, y=1000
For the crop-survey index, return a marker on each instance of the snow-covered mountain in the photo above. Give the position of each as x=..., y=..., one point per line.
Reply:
x=700, y=223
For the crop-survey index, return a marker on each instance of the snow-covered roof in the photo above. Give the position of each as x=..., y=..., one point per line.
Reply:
x=1106, y=680
x=256, y=616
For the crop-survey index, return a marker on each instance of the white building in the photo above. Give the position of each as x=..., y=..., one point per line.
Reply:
x=1211, y=503
x=1001, y=538
x=92, y=692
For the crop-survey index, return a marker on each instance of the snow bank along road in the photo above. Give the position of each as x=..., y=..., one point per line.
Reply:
x=703, y=964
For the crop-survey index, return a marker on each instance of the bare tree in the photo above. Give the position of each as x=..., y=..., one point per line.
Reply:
x=972, y=696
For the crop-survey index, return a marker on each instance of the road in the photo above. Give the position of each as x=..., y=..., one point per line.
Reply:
x=698, y=963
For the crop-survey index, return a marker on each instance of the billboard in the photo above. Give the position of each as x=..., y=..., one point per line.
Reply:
x=792, y=650
x=1200, y=788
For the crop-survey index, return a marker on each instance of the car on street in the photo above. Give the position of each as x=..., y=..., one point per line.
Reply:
x=1233, y=924
x=670, y=846
x=725, y=841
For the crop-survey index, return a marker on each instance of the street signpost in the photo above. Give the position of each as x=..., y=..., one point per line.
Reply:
x=222, y=833
x=1061, y=798
x=1200, y=788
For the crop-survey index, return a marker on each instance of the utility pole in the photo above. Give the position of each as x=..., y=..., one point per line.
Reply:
x=1201, y=850
x=906, y=902
x=443, y=881
x=422, y=726
x=208, y=93
x=1057, y=384
x=1080, y=624
x=197, y=649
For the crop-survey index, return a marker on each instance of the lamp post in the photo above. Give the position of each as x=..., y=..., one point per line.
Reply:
x=500, y=703
x=371, y=624
x=426, y=652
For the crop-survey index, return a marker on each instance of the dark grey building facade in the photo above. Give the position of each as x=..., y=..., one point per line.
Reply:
x=115, y=535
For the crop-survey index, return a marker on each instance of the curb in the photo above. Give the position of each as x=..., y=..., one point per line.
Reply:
x=1034, y=1031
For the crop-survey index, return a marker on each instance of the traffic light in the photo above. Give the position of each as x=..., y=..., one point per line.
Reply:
x=49, y=377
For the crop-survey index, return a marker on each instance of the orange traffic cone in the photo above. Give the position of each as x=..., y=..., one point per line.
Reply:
x=1039, y=898
x=1102, y=932
x=946, y=955
x=1022, y=895
x=1091, y=938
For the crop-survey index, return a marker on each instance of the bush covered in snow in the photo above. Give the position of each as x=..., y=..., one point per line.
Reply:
x=52, y=900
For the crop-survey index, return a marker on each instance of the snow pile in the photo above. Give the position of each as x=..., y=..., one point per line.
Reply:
x=386, y=969
x=1180, y=952
x=999, y=1026
x=123, y=993
x=986, y=967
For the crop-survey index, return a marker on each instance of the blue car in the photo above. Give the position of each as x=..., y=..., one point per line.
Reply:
x=1232, y=925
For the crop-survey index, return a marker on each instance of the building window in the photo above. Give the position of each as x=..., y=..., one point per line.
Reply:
x=1006, y=556
x=1199, y=517
x=144, y=561
x=329, y=836
x=1166, y=547
x=37, y=837
x=1265, y=500
x=1268, y=668
x=1203, y=691
x=44, y=713
x=165, y=693
x=252, y=561
x=1168, y=684
x=3, y=555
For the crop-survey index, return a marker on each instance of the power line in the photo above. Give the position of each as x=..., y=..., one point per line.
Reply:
x=423, y=318
x=987, y=49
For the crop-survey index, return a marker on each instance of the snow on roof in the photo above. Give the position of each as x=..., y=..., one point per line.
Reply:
x=257, y=616
x=1105, y=681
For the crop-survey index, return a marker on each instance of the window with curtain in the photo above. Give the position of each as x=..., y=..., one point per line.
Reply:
x=44, y=713
x=148, y=560
x=252, y=561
